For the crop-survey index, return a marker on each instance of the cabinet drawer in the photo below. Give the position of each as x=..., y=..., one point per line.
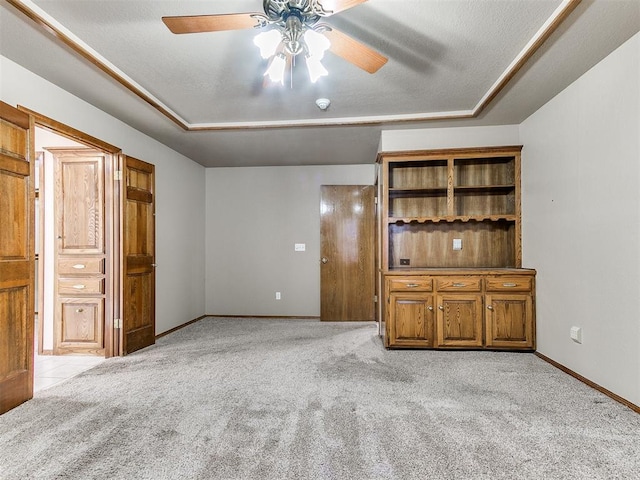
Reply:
x=72, y=266
x=509, y=284
x=458, y=284
x=80, y=286
x=406, y=284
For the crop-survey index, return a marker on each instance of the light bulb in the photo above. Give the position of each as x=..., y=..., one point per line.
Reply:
x=317, y=43
x=276, y=69
x=268, y=42
x=316, y=69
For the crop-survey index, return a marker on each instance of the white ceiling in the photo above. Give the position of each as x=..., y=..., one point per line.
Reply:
x=445, y=58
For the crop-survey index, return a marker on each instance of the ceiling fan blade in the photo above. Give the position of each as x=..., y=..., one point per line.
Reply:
x=210, y=23
x=355, y=52
x=337, y=6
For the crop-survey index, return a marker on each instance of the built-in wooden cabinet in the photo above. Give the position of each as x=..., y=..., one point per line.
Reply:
x=451, y=252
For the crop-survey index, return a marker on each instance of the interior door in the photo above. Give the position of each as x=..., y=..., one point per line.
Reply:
x=347, y=232
x=138, y=222
x=17, y=257
x=80, y=252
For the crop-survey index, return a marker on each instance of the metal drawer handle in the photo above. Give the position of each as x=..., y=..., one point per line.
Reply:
x=510, y=285
x=412, y=285
x=79, y=266
x=430, y=308
x=490, y=307
x=80, y=310
x=458, y=284
x=78, y=287
x=441, y=307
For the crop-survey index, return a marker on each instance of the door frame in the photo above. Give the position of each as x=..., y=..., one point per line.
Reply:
x=113, y=240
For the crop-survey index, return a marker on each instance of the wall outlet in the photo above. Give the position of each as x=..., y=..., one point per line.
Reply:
x=278, y=296
x=405, y=261
x=457, y=244
x=576, y=334
x=300, y=247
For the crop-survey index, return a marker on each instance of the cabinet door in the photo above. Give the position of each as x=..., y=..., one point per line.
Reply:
x=411, y=320
x=459, y=320
x=509, y=321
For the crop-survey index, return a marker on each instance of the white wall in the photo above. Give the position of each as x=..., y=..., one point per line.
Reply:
x=452, y=137
x=581, y=221
x=254, y=218
x=180, y=190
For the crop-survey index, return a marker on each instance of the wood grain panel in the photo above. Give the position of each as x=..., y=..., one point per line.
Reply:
x=138, y=318
x=15, y=229
x=81, y=286
x=80, y=266
x=17, y=259
x=509, y=321
x=347, y=232
x=82, y=324
x=459, y=320
x=412, y=320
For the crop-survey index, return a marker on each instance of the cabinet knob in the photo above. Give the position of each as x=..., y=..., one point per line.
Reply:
x=440, y=307
x=490, y=307
x=430, y=308
x=324, y=260
x=79, y=310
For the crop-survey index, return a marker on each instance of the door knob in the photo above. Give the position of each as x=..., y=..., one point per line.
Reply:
x=324, y=260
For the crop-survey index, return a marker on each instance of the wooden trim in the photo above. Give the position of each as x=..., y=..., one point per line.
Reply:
x=272, y=317
x=179, y=327
x=9, y=113
x=446, y=152
x=593, y=385
x=80, y=50
x=69, y=132
x=533, y=48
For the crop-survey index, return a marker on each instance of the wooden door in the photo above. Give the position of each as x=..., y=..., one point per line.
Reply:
x=80, y=252
x=411, y=320
x=347, y=249
x=17, y=257
x=509, y=321
x=459, y=320
x=139, y=284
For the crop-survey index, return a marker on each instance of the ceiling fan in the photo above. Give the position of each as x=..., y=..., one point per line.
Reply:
x=290, y=28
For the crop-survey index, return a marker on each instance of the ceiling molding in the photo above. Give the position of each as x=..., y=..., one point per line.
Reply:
x=53, y=27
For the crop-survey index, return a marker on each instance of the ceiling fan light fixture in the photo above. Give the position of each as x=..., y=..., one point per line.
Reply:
x=268, y=42
x=315, y=68
x=317, y=43
x=275, y=72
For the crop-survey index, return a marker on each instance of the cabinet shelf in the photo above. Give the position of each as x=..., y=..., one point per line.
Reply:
x=417, y=192
x=451, y=219
x=484, y=188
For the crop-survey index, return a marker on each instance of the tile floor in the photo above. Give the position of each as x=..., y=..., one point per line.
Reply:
x=50, y=370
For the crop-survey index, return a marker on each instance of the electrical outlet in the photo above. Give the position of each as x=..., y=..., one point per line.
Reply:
x=457, y=244
x=278, y=296
x=405, y=261
x=576, y=334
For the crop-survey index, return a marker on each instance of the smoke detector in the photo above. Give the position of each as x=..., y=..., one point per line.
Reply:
x=323, y=103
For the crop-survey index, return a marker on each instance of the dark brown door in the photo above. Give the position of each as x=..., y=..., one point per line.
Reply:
x=17, y=257
x=139, y=284
x=347, y=232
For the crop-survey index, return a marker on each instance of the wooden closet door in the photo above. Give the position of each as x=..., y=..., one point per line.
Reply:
x=139, y=279
x=80, y=252
x=17, y=257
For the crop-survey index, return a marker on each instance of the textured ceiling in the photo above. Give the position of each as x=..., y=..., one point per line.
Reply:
x=444, y=58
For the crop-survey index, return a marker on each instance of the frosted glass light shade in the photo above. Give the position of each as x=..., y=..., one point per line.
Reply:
x=268, y=42
x=317, y=43
x=276, y=69
x=316, y=69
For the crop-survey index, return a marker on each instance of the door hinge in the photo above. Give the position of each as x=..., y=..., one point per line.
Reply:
x=117, y=323
x=117, y=175
x=375, y=199
x=375, y=299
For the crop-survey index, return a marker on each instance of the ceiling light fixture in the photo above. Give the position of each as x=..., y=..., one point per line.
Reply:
x=295, y=30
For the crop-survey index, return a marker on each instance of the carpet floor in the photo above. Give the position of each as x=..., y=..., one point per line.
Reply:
x=230, y=398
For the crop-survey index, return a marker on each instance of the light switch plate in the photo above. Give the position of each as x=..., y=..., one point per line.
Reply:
x=300, y=247
x=457, y=244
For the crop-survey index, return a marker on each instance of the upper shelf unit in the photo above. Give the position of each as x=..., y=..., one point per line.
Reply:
x=429, y=195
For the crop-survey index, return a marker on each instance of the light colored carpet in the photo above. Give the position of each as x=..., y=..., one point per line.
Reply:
x=299, y=399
